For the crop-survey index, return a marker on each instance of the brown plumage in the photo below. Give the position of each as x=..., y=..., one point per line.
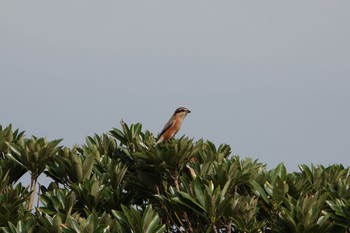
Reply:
x=173, y=125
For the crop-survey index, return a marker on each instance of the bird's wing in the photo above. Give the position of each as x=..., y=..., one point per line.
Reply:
x=170, y=123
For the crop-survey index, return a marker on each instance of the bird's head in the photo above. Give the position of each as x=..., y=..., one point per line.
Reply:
x=181, y=112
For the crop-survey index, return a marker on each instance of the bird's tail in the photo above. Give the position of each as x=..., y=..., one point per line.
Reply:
x=160, y=139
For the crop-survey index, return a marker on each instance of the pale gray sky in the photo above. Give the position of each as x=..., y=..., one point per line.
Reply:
x=269, y=78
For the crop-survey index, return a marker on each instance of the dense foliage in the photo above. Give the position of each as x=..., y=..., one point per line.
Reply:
x=122, y=182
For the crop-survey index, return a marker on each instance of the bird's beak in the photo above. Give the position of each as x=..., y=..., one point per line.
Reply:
x=188, y=111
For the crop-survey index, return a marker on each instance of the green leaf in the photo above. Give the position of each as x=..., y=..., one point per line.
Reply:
x=16, y=160
x=87, y=166
x=14, y=148
x=190, y=202
x=198, y=189
x=304, y=168
x=281, y=171
x=259, y=191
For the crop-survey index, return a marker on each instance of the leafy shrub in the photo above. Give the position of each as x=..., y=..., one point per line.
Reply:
x=122, y=182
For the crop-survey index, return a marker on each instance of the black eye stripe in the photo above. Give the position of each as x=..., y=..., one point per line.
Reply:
x=181, y=110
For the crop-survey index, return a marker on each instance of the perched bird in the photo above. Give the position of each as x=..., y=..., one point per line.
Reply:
x=173, y=125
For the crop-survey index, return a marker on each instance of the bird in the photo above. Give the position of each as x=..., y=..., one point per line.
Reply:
x=173, y=125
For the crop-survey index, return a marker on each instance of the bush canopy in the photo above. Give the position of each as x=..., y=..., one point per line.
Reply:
x=121, y=181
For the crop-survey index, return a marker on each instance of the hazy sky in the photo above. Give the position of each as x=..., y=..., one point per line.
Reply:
x=269, y=78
